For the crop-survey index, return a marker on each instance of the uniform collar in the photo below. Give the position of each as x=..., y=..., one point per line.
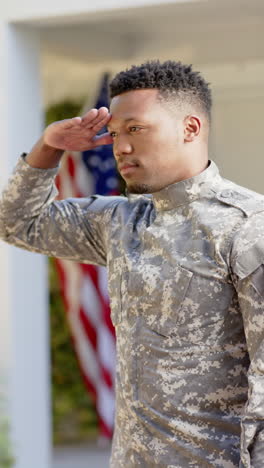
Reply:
x=188, y=190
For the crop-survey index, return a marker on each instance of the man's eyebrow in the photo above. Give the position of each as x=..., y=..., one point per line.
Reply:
x=129, y=119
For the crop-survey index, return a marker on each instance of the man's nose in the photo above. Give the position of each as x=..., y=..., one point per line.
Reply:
x=122, y=146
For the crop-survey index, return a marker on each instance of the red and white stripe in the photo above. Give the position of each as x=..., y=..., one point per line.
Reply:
x=84, y=289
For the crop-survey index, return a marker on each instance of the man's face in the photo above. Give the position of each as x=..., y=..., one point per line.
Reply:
x=148, y=141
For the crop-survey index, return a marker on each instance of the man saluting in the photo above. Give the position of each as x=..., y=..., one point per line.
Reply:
x=184, y=253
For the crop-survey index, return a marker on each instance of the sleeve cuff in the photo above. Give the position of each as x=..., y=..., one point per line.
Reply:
x=24, y=164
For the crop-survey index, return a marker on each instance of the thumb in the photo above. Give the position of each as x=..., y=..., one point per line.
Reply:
x=104, y=139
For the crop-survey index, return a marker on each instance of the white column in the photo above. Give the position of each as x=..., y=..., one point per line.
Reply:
x=24, y=324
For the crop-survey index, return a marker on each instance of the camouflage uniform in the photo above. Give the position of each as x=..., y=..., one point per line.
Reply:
x=186, y=284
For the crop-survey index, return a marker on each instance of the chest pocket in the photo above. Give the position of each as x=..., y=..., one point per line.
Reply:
x=152, y=291
x=155, y=292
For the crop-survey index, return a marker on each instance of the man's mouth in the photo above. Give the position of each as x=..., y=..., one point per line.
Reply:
x=127, y=168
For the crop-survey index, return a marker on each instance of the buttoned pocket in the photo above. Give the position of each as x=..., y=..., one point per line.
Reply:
x=156, y=292
x=169, y=298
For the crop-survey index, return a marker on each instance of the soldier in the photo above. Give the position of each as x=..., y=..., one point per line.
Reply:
x=184, y=253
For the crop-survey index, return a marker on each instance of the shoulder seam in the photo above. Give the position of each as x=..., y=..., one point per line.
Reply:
x=247, y=205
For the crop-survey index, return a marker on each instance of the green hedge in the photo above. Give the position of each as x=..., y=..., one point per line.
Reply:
x=6, y=458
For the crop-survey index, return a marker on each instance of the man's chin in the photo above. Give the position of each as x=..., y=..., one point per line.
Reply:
x=139, y=188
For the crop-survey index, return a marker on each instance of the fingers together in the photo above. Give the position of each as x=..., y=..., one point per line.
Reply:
x=96, y=118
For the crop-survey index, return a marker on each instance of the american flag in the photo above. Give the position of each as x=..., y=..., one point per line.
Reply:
x=84, y=287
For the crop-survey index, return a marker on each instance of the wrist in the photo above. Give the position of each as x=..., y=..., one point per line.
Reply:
x=43, y=156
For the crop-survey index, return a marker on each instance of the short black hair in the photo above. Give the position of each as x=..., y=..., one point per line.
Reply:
x=172, y=79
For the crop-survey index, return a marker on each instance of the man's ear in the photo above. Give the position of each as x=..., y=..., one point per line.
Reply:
x=192, y=127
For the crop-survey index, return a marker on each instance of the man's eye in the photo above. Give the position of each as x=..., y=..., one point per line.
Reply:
x=112, y=134
x=134, y=128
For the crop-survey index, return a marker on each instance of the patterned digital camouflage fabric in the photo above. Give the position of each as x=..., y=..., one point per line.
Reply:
x=186, y=280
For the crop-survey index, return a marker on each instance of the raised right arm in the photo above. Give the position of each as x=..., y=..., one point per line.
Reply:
x=76, y=134
x=29, y=216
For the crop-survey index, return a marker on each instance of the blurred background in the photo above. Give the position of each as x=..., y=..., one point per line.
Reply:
x=57, y=343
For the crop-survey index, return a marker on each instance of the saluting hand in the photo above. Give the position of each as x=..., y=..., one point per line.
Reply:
x=79, y=133
x=76, y=134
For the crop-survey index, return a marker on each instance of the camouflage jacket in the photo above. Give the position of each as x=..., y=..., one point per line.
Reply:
x=186, y=281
